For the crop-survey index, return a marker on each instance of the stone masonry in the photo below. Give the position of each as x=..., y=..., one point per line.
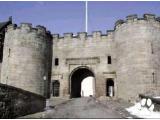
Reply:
x=25, y=60
x=129, y=56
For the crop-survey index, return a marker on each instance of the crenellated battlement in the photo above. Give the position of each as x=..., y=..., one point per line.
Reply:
x=28, y=28
x=147, y=20
x=149, y=17
x=96, y=35
x=68, y=35
x=41, y=29
x=119, y=22
x=110, y=32
x=55, y=36
x=82, y=35
x=134, y=19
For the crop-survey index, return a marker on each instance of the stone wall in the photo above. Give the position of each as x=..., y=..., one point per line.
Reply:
x=15, y=102
x=133, y=46
x=26, y=57
x=90, y=51
x=137, y=52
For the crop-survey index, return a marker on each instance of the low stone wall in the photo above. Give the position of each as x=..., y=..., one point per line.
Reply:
x=15, y=102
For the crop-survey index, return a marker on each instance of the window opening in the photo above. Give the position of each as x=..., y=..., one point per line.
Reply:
x=109, y=60
x=55, y=88
x=110, y=87
x=56, y=61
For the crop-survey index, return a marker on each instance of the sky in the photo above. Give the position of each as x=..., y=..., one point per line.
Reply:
x=69, y=16
x=87, y=86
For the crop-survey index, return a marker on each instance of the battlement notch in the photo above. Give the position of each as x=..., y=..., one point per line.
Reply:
x=82, y=35
x=55, y=36
x=131, y=18
x=68, y=35
x=26, y=26
x=41, y=29
x=110, y=32
x=118, y=23
x=96, y=34
x=149, y=17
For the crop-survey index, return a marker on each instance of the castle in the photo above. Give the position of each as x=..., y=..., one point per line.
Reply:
x=126, y=59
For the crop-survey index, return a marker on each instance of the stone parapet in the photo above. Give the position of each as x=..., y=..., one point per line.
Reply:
x=27, y=28
x=81, y=36
x=134, y=19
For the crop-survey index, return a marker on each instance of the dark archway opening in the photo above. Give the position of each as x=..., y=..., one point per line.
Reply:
x=110, y=87
x=55, y=88
x=76, y=79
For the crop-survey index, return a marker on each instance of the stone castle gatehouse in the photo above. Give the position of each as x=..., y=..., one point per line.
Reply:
x=125, y=59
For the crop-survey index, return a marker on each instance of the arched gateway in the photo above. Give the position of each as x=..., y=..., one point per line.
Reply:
x=79, y=75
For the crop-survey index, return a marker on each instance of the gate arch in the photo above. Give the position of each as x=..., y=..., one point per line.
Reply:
x=75, y=79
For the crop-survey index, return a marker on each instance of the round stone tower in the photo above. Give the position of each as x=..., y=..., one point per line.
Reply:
x=26, y=57
x=138, y=56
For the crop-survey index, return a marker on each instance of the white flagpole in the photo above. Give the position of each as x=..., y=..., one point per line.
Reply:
x=86, y=13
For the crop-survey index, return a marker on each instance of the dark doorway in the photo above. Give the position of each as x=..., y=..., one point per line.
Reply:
x=55, y=88
x=109, y=60
x=76, y=78
x=110, y=87
x=56, y=61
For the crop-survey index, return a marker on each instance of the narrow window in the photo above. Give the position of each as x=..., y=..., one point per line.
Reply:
x=56, y=61
x=9, y=51
x=109, y=60
x=152, y=48
x=55, y=88
x=153, y=77
x=110, y=87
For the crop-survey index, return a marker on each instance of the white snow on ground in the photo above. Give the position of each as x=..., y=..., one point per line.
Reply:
x=142, y=112
x=157, y=97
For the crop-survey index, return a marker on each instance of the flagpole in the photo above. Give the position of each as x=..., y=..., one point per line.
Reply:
x=86, y=13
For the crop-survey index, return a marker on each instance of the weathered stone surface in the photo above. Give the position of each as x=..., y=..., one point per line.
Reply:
x=133, y=47
x=26, y=58
x=137, y=55
x=83, y=51
x=16, y=102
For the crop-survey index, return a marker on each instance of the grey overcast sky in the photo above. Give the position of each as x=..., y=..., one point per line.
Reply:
x=61, y=17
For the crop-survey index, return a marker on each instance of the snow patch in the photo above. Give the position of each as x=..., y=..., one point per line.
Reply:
x=157, y=97
x=142, y=112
